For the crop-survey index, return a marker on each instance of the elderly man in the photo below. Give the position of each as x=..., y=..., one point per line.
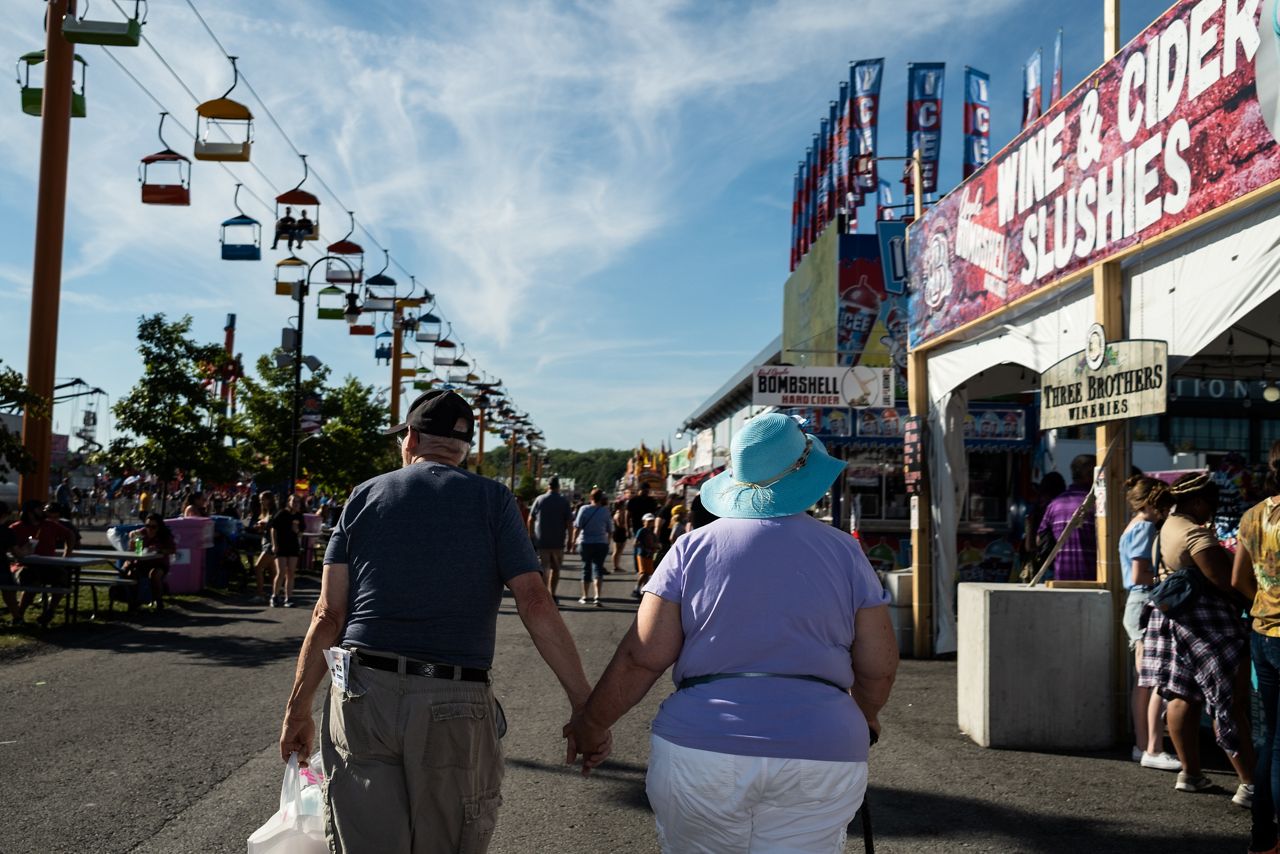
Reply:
x=412, y=582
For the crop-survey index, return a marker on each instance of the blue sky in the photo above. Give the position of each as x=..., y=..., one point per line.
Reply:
x=598, y=192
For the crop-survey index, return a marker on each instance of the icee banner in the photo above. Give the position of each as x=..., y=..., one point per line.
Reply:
x=1180, y=122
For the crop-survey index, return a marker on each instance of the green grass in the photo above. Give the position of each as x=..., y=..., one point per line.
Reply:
x=14, y=638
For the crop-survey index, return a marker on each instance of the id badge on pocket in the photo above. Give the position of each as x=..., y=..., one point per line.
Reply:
x=339, y=661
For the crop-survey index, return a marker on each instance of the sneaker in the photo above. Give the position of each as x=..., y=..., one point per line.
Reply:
x=275, y=601
x=1160, y=761
x=582, y=600
x=288, y=603
x=596, y=601
x=1136, y=754
x=1189, y=783
x=1243, y=796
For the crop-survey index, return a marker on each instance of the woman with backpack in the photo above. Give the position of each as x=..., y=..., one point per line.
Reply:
x=1196, y=652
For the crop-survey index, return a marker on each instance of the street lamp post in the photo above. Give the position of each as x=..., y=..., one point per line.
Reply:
x=300, y=295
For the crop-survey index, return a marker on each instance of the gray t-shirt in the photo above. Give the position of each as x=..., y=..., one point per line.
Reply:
x=428, y=548
x=594, y=523
x=551, y=516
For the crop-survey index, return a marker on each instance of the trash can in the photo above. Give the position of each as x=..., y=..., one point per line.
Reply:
x=191, y=538
x=226, y=531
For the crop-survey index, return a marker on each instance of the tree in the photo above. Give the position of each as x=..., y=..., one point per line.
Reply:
x=602, y=467
x=16, y=396
x=351, y=448
x=176, y=422
x=265, y=421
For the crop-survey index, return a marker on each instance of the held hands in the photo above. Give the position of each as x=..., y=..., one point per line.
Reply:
x=593, y=743
x=297, y=735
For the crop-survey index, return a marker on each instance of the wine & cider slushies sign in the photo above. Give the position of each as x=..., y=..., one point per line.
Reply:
x=1180, y=122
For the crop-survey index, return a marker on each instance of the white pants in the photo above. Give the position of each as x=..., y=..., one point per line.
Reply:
x=716, y=803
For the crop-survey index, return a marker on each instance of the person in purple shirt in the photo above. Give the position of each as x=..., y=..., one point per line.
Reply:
x=783, y=656
x=1078, y=559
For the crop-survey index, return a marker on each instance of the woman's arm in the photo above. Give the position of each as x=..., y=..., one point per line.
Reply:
x=1242, y=577
x=1142, y=572
x=651, y=646
x=1215, y=563
x=875, y=662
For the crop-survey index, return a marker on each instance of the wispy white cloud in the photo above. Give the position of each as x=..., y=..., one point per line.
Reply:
x=510, y=151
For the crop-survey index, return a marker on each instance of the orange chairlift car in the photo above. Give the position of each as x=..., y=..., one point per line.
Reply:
x=166, y=175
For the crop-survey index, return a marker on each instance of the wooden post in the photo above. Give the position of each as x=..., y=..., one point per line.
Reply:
x=1112, y=512
x=1110, y=28
x=46, y=271
x=397, y=344
x=921, y=518
x=917, y=180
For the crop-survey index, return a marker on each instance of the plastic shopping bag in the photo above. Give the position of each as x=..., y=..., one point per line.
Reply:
x=298, y=826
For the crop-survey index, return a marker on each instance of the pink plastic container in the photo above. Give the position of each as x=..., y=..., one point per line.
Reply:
x=186, y=568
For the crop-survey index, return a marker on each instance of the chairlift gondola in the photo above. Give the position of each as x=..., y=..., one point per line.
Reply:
x=297, y=213
x=33, y=96
x=382, y=348
x=290, y=272
x=126, y=33
x=445, y=353
x=227, y=117
x=241, y=236
x=428, y=328
x=346, y=264
x=380, y=289
x=331, y=303
x=174, y=187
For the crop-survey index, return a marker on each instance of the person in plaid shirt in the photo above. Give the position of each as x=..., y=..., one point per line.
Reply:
x=1078, y=558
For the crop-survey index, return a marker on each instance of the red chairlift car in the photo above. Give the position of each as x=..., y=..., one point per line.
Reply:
x=173, y=186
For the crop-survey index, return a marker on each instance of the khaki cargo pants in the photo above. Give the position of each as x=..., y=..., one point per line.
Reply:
x=414, y=765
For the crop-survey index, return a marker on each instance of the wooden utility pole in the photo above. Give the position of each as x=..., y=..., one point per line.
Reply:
x=46, y=271
x=397, y=344
x=921, y=503
x=1112, y=512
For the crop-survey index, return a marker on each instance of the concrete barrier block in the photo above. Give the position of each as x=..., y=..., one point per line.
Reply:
x=1034, y=667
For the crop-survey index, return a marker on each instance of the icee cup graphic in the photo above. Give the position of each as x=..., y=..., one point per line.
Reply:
x=1267, y=65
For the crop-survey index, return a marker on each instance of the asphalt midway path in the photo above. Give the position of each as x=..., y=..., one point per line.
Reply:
x=159, y=736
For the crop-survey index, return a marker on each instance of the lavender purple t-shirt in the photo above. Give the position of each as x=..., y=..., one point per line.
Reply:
x=772, y=596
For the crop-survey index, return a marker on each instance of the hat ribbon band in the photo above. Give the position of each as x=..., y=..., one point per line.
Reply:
x=798, y=464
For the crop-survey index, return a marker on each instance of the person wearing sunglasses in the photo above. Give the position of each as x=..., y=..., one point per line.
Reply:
x=157, y=541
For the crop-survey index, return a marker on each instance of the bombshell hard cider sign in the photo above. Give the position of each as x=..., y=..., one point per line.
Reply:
x=1180, y=122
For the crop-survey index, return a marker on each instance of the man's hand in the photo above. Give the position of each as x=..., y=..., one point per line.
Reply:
x=594, y=744
x=298, y=735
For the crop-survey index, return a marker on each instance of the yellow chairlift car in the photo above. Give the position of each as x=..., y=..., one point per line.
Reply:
x=290, y=271
x=227, y=118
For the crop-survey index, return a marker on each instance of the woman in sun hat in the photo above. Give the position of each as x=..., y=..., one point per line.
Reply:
x=783, y=652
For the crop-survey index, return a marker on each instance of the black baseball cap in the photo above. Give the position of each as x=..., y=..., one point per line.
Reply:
x=439, y=412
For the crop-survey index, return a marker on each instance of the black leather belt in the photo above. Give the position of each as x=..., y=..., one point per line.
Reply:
x=421, y=668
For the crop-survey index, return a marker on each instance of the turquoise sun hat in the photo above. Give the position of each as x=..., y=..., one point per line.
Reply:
x=776, y=469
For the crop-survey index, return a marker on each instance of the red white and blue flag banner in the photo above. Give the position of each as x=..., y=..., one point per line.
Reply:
x=842, y=147
x=977, y=120
x=864, y=107
x=1031, y=89
x=823, y=147
x=1055, y=85
x=834, y=200
x=795, y=220
x=1136, y=151
x=884, y=202
x=811, y=209
x=924, y=119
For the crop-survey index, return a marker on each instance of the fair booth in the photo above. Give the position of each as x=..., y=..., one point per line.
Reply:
x=1142, y=207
